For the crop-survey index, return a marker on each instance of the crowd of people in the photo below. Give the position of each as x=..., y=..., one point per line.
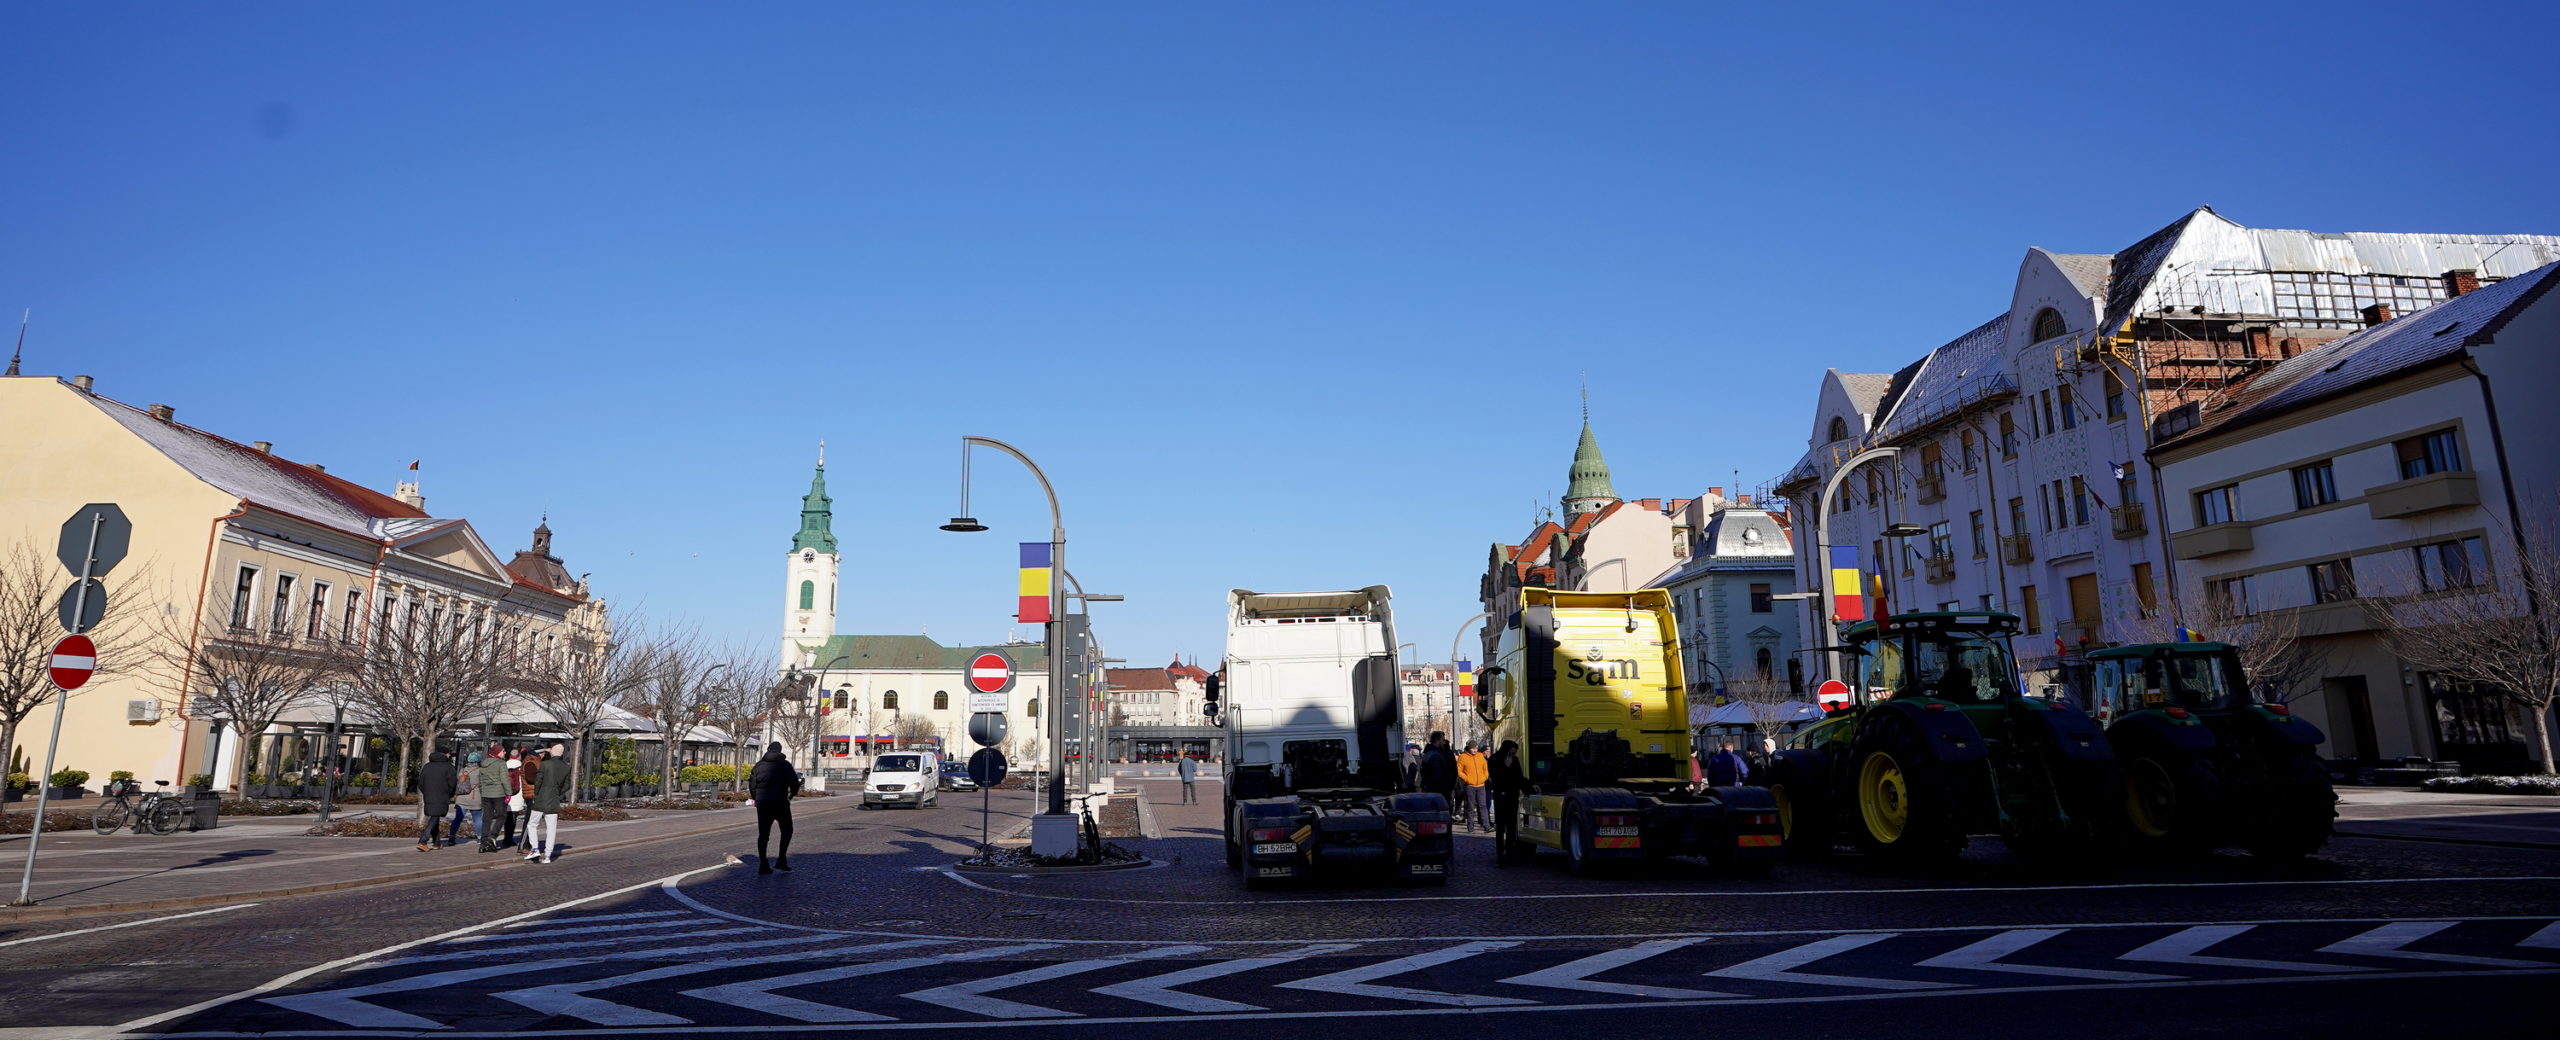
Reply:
x=511, y=796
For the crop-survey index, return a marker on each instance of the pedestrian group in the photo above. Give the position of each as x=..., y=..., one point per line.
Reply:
x=511, y=797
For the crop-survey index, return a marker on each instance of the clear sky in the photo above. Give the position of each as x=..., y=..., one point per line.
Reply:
x=1282, y=296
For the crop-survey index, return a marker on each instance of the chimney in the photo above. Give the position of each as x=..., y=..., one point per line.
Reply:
x=264, y=447
x=1715, y=492
x=2376, y=314
x=407, y=492
x=2460, y=282
x=164, y=413
x=1746, y=501
x=82, y=383
x=2259, y=341
x=318, y=468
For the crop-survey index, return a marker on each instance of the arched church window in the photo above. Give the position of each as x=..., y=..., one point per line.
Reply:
x=889, y=701
x=1839, y=429
x=1033, y=709
x=1760, y=660
x=941, y=700
x=808, y=595
x=2049, y=324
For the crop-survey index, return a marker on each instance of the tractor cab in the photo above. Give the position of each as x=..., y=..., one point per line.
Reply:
x=2192, y=677
x=1960, y=658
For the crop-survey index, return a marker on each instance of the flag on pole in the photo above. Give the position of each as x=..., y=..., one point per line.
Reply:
x=1033, y=605
x=2189, y=635
x=1848, y=587
x=1466, y=680
x=413, y=464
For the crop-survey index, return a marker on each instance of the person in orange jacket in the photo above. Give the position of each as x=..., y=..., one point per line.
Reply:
x=1472, y=773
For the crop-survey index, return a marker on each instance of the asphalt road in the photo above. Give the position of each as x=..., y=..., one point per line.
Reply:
x=872, y=932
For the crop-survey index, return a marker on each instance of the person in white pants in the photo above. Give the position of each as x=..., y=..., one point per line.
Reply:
x=544, y=791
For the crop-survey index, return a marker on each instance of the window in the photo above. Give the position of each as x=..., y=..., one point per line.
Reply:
x=1990, y=602
x=2332, y=581
x=2218, y=505
x=1980, y=548
x=382, y=627
x=2030, y=609
x=1971, y=455
x=2079, y=502
x=808, y=595
x=2232, y=597
x=1942, y=540
x=2044, y=506
x=240, y=593
x=1032, y=707
x=1933, y=463
x=318, y=625
x=2061, y=515
x=941, y=700
x=2438, y=452
x=2047, y=398
x=889, y=700
x=2332, y=300
x=2070, y=413
x=1761, y=601
x=351, y=628
x=1839, y=429
x=2451, y=565
x=2128, y=490
x=280, y=616
x=1951, y=606
x=2017, y=516
x=2008, y=436
x=2145, y=595
x=2049, y=324
x=2314, y=485
x=843, y=699
x=2115, y=395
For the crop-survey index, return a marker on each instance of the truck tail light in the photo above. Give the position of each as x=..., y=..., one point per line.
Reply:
x=1430, y=827
x=1761, y=819
x=1268, y=834
x=2280, y=709
x=1615, y=820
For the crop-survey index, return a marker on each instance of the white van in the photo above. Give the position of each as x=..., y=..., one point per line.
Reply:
x=903, y=778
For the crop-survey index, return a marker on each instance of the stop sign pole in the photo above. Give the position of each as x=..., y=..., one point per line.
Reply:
x=74, y=659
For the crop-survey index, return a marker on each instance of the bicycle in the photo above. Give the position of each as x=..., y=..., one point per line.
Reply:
x=158, y=812
x=1092, y=831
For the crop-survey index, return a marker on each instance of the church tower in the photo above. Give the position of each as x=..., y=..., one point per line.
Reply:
x=1587, y=487
x=809, y=586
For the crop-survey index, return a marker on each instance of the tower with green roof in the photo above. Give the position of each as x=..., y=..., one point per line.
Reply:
x=1587, y=487
x=809, y=574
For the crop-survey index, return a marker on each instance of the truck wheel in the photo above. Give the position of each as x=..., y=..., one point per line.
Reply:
x=1903, y=805
x=1235, y=852
x=2169, y=801
x=1577, y=844
x=2301, y=810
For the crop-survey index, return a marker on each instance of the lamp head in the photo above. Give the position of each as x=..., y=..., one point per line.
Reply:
x=964, y=525
x=1904, y=529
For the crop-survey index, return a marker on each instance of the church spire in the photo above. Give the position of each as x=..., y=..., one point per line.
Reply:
x=1587, y=489
x=817, y=512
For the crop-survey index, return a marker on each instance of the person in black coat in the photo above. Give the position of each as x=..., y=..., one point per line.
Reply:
x=771, y=785
x=1508, y=779
x=435, y=795
x=1440, y=768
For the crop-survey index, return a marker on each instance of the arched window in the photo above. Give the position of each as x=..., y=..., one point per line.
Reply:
x=1839, y=429
x=2049, y=324
x=889, y=701
x=808, y=595
x=1760, y=659
x=941, y=700
x=1034, y=709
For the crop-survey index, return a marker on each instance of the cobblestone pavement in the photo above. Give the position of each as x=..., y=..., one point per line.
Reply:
x=873, y=931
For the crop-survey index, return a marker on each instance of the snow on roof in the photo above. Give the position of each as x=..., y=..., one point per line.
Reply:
x=262, y=478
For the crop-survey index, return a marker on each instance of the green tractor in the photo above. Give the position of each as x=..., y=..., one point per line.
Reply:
x=2206, y=763
x=1943, y=743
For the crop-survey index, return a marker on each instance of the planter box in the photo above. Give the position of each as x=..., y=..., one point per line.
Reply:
x=63, y=794
x=12, y=794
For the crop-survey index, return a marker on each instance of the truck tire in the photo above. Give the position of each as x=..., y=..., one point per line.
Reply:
x=2171, y=799
x=1905, y=812
x=2300, y=808
x=1235, y=853
x=1578, y=857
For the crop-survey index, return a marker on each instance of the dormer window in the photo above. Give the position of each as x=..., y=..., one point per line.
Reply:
x=1839, y=429
x=2049, y=324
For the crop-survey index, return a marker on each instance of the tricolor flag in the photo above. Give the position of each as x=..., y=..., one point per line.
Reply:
x=413, y=464
x=1848, y=587
x=2189, y=635
x=1466, y=680
x=1033, y=607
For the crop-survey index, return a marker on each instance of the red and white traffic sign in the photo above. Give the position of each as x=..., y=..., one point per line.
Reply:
x=74, y=658
x=1832, y=693
x=991, y=672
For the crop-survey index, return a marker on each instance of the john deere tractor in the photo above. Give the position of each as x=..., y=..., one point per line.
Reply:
x=1941, y=743
x=2206, y=763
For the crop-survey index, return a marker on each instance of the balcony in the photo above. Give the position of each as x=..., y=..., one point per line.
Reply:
x=2425, y=494
x=1933, y=488
x=2017, y=548
x=1941, y=567
x=2335, y=618
x=2213, y=540
x=2128, y=521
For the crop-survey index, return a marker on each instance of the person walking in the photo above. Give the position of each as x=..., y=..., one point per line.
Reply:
x=515, y=799
x=436, y=781
x=1507, y=781
x=1726, y=768
x=1471, y=777
x=549, y=787
x=1439, y=773
x=1189, y=771
x=490, y=780
x=771, y=785
x=1409, y=771
x=466, y=800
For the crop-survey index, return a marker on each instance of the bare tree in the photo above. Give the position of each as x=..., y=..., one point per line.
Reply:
x=741, y=705
x=673, y=692
x=242, y=671
x=2279, y=663
x=592, y=677
x=2496, y=630
x=31, y=587
x=1771, y=704
x=419, y=677
x=912, y=730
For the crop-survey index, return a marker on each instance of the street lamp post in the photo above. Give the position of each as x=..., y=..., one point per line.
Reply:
x=1822, y=553
x=1454, y=639
x=1053, y=833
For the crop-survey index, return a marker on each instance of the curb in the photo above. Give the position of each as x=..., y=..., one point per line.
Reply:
x=45, y=913
x=2440, y=840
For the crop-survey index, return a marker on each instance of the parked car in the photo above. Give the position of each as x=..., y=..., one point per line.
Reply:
x=910, y=778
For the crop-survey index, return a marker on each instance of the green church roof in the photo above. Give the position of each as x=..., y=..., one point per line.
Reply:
x=817, y=517
x=1590, y=475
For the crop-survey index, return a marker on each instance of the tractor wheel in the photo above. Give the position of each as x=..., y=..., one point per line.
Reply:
x=2170, y=801
x=1803, y=819
x=2299, y=810
x=1904, y=802
x=2086, y=837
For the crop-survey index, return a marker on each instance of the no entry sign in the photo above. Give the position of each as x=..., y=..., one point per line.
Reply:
x=1832, y=693
x=991, y=672
x=74, y=658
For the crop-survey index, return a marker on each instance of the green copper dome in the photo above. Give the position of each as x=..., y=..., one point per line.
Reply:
x=1589, y=480
x=817, y=517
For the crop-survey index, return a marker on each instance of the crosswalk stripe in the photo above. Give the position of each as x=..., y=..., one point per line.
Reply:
x=1574, y=975
x=586, y=930
x=972, y=996
x=347, y=1006
x=593, y=918
x=1985, y=956
x=2186, y=947
x=1158, y=989
x=2547, y=939
x=570, y=1000
x=613, y=940
x=758, y=995
x=1355, y=981
x=2387, y=940
x=1777, y=967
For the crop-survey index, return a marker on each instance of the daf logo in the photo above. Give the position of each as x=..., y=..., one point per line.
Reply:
x=1592, y=654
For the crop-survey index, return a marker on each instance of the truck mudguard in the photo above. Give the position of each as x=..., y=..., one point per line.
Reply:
x=2267, y=725
x=1950, y=734
x=1745, y=799
x=2154, y=726
x=1810, y=771
x=2072, y=731
x=1373, y=710
x=1607, y=799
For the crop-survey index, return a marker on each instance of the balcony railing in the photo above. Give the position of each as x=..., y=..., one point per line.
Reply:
x=2017, y=548
x=2127, y=520
x=1941, y=567
x=1933, y=487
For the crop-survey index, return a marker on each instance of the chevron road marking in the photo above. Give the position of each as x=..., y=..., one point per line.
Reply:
x=971, y=996
x=1355, y=982
x=585, y=930
x=1985, y=956
x=347, y=1006
x=2547, y=939
x=593, y=918
x=2187, y=946
x=1575, y=975
x=617, y=940
x=2387, y=940
x=758, y=995
x=569, y=999
x=1159, y=989
x=1775, y=967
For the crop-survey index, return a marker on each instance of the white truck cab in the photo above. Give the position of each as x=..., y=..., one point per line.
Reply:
x=903, y=778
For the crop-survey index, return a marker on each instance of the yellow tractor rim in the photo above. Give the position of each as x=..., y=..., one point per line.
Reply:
x=1884, y=798
x=2150, y=798
x=1786, y=811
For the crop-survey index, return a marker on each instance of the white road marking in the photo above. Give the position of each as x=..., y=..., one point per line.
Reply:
x=1158, y=989
x=589, y=929
x=758, y=995
x=592, y=918
x=1778, y=967
x=2387, y=940
x=2187, y=947
x=1574, y=975
x=617, y=940
x=129, y=924
x=972, y=997
x=570, y=1000
x=347, y=1006
x=1985, y=956
x=1355, y=981
x=2547, y=939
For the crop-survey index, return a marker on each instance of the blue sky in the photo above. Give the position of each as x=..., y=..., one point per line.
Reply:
x=1280, y=295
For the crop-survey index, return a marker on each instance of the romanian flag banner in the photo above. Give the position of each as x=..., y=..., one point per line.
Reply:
x=1033, y=606
x=1466, y=680
x=1848, y=587
x=2189, y=635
